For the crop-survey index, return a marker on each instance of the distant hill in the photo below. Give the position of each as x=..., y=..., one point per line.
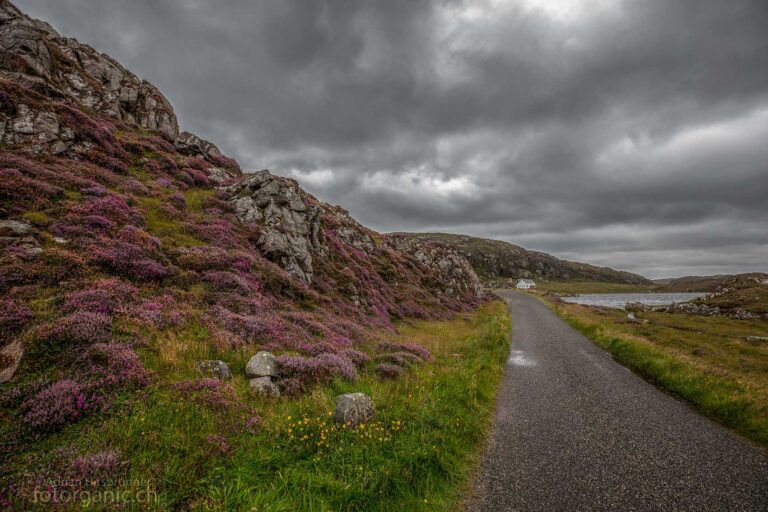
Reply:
x=493, y=259
x=692, y=283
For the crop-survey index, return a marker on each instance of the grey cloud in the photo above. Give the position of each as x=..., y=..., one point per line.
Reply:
x=632, y=136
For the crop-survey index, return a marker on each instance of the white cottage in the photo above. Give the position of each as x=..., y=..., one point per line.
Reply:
x=525, y=284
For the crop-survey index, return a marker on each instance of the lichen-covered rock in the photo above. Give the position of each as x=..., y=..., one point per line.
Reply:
x=215, y=368
x=354, y=408
x=36, y=56
x=455, y=274
x=261, y=365
x=190, y=144
x=265, y=387
x=289, y=220
x=19, y=238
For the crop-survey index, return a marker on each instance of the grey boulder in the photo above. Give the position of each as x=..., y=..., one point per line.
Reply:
x=214, y=368
x=261, y=365
x=354, y=408
x=265, y=387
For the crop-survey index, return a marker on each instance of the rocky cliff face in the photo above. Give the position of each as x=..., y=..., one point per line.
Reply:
x=118, y=223
x=455, y=274
x=494, y=259
x=47, y=79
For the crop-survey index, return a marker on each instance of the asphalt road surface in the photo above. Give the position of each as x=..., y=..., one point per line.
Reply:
x=574, y=430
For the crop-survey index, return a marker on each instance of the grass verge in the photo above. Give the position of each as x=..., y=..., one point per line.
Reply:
x=198, y=452
x=705, y=360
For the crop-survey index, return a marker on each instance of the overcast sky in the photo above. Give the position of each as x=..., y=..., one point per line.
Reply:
x=632, y=134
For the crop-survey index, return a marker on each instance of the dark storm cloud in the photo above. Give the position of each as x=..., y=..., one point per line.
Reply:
x=624, y=133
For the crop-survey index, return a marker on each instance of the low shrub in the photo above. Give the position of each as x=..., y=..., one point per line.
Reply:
x=388, y=371
x=65, y=401
x=13, y=317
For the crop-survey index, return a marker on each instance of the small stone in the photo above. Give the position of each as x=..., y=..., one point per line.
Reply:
x=214, y=368
x=15, y=228
x=261, y=365
x=265, y=387
x=757, y=340
x=353, y=408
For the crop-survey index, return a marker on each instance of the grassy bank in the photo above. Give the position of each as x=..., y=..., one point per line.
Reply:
x=705, y=360
x=206, y=450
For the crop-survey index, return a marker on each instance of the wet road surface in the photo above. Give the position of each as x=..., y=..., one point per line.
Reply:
x=574, y=430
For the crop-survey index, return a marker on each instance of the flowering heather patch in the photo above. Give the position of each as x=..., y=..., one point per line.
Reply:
x=322, y=369
x=107, y=161
x=204, y=258
x=112, y=206
x=108, y=365
x=263, y=328
x=105, y=297
x=160, y=311
x=146, y=270
x=159, y=144
x=55, y=264
x=95, y=467
x=82, y=327
x=13, y=317
x=178, y=201
x=226, y=162
x=163, y=182
x=405, y=359
x=253, y=423
x=197, y=162
x=388, y=371
x=219, y=444
x=134, y=187
x=96, y=129
x=95, y=191
x=25, y=193
x=213, y=393
x=217, y=232
x=223, y=281
x=199, y=178
x=63, y=402
x=311, y=324
x=358, y=358
x=413, y=348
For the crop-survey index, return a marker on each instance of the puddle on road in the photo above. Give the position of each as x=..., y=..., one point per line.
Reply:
x=517, y=358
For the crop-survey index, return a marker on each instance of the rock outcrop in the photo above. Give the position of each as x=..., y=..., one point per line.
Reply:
x=42, y=65
x=296, y=230
x=289, y=220
x=455, y=274
x=496, y=259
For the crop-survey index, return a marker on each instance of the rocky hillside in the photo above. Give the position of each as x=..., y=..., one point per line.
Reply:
x=691, y=283
x=494, y=259
x=745, y=292
x=118, y=230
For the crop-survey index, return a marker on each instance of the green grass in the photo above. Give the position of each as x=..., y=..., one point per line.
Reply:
x=705, y=360
x=172, y=232
x=578, y=287
x=418, y=454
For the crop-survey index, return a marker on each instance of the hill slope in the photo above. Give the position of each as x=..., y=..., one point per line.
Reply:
x=494, y=259
x=118, y=232
x=748, y=292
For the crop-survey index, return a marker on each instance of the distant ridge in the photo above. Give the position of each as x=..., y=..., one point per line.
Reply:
x=493, y=259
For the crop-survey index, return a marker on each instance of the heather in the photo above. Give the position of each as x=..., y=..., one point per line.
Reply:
x=187, y=435
x=135, y=264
